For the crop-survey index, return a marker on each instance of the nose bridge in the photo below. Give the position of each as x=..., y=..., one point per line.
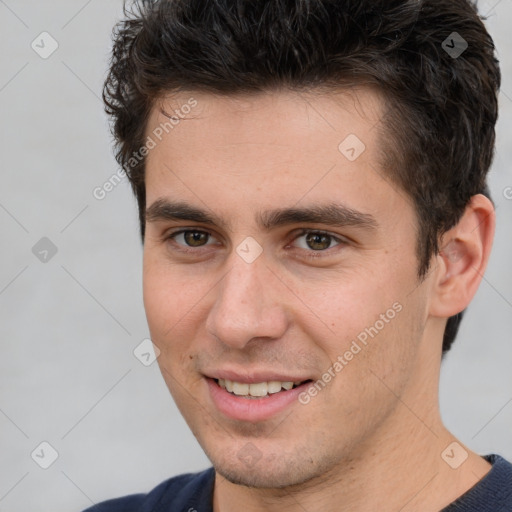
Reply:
x=246, y=305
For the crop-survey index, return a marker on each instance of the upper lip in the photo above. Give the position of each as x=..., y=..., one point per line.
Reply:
x=253, y=376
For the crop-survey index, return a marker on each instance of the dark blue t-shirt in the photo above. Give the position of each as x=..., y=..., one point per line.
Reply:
x=193, y=493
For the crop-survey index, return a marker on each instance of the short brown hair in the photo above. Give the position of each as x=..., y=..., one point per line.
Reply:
x=432, y=59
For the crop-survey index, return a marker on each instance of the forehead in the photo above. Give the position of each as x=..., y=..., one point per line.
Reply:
x=279, y=123
x=258, y=117
x=262, y=150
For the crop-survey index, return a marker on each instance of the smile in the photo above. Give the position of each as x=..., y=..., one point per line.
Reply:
x=255, y=401
x=257, y=389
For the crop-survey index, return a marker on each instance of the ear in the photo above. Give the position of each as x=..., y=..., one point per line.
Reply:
x=461, y=263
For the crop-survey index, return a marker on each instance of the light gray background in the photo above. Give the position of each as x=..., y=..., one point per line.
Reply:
x=68, y=327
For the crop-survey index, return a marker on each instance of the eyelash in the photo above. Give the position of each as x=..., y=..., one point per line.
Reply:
x=312, y=253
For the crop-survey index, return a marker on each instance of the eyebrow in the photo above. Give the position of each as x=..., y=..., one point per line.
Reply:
x=332, y=214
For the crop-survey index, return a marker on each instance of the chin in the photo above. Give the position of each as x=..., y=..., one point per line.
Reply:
x=270, y=471
x=263, y=478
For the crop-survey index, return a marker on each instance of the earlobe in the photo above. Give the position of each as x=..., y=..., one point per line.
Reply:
x=463, y=258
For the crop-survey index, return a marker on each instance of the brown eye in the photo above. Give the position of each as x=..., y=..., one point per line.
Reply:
x=318, y=241
x=191, y=238
x=316, y=244
x=195, y=238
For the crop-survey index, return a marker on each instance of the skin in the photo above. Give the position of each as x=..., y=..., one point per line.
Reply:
x=372, y=439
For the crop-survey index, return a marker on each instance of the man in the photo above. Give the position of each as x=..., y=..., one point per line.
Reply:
x=311, y=182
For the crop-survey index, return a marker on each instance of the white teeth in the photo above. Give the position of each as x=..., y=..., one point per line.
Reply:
x=274, y=386
x=257, y=389
x=240, y=389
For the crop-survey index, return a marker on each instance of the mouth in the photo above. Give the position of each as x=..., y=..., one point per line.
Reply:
x=257, y=390
x=255, y=401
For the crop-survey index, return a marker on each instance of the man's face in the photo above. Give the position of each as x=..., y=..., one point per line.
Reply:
x=259, y=291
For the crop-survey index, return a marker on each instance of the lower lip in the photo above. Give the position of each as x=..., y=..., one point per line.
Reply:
x=252, y=409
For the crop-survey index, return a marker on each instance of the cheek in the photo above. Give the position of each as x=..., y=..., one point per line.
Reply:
x=168, y=295
x=160, y=303
x=171, y=311
x=346, y=306
x=176, y=304
x=367, y=319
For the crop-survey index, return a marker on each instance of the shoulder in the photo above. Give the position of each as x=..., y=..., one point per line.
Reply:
x=191, y=491
x=500, y=483
x=492, y=494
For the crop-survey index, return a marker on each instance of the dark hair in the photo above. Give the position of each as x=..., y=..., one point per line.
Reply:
x=442, y=107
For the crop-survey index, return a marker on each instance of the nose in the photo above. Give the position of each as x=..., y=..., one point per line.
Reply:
x=247, y=305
